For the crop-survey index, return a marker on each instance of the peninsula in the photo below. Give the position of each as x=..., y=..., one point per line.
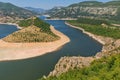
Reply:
x=34, y=39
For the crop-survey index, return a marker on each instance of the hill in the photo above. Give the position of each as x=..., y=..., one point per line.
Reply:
x=36, y=10
x=97, y=27
x=34, y=30
x=11, y=13
x=106, y=68
x=89, y=9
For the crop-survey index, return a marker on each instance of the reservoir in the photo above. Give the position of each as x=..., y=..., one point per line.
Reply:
x=34, y=68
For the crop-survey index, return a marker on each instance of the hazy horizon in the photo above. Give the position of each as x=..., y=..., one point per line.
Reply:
x=45, y=4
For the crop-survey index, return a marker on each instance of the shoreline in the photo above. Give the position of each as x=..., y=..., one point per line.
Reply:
x=14, y=24
x=88, y=33
x=108, y=43
x=109, y=46
x=19, y=51
x=62, y=19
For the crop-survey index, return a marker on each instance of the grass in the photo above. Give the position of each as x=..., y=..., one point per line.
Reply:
x=30, y=34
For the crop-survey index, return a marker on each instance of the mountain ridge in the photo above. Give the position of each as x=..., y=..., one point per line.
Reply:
x=12, y=13
x=89, y=9
x=36, y=10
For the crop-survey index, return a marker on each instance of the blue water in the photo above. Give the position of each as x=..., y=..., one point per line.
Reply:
x=6, y=30
x=33, y=68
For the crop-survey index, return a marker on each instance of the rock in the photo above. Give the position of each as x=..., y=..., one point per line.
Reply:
x=117, y=43
x=66, y=63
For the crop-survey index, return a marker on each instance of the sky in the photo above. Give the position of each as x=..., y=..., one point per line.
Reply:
x=45, y=4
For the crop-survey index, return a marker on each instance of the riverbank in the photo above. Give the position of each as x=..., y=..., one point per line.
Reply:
x=107, y=42
x=15, y=51
x=62, y=19
x=88, y=33
x=14, y=24
x=110, y=46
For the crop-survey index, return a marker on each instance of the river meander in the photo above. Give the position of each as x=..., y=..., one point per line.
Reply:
x=33, y=68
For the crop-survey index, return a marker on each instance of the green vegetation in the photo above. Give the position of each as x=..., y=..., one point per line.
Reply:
x=45, y=27
x=92, y=21
x=88, y=3
x=8, y=9
x=35, y=30
x=98, y=27
x=117, y=17
x=106, y=68
x=25, y=23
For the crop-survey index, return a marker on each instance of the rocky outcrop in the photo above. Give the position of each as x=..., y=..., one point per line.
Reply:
x=108, y=49
x=93, y=10
x=66, y=63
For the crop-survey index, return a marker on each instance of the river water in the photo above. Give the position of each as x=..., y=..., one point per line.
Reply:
x=33, y=68
x=6, y=30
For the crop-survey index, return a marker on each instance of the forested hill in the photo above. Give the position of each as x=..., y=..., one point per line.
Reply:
x=10, y=12
x=108, y=10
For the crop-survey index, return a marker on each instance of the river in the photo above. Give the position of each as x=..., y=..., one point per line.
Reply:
x=33, y=68
x=6, y=30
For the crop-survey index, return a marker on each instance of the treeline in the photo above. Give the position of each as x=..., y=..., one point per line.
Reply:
x=107, y=68
x=92, y=21
x=25, y=23
x=45, y=27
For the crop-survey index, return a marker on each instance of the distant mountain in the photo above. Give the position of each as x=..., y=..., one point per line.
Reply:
x=53, y=10
x=109, y=10
x=11, y=13
x=36, y=10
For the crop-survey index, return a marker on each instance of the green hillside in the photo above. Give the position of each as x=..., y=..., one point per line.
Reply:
x=11, y=13
x=45, y=27
x=87, y=3
x=106, y=68
x=98, y=27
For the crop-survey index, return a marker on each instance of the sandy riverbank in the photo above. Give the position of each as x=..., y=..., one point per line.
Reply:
x=15, y=51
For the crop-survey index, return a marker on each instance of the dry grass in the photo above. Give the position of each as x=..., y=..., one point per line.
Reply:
x=30, y=34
